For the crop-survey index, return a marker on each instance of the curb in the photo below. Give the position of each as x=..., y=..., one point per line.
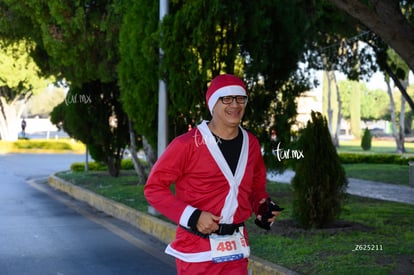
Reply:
x=160, y=229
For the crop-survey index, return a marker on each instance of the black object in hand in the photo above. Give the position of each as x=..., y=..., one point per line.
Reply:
x=265, y=210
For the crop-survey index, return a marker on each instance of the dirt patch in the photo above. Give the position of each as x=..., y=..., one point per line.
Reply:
x=405, y=266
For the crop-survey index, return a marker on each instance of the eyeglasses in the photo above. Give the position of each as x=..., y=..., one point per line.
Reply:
x=240, y=99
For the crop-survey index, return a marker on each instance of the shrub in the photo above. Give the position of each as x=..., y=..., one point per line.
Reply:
x=42, y=144
x=92, y=166
x=126, y=164
x=319, y=183
x=348, y=158
x=366, y=140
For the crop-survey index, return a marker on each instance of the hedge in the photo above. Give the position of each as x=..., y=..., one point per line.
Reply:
x=126, y=164
x=348, y=158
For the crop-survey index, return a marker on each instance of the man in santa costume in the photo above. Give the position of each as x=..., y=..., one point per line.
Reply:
x=220, y=180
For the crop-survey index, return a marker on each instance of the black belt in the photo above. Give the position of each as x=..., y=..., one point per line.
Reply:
x=224, y=229
x=228, y=229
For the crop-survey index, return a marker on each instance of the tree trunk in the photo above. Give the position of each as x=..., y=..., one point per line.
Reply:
x=149, y=152
x=393, y=115
x=402, y=125
x=139, y=169
x=113, y=166
x=394, y=119
x=10, y=114
x=9, y=123
x=355, y=105
x=339, y=116
x=402, y=87
x=329, y=74
x=387, y=21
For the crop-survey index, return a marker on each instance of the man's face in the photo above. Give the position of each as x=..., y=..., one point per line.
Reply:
x=231, y=111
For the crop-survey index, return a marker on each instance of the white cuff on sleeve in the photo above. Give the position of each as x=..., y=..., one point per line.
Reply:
x=185, y=216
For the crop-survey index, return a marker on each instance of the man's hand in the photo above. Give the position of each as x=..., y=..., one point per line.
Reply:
x=269, y=211
x=207, y=223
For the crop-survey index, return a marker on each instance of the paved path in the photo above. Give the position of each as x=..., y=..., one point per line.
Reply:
x=45, y=232
x=363, y=188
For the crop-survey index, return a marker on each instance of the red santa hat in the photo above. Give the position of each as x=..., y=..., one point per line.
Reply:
x=224, y=85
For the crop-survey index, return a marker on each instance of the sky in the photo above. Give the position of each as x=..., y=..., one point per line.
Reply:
x=376, y=81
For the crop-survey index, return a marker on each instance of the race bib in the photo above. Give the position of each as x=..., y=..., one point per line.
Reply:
x=229, y=247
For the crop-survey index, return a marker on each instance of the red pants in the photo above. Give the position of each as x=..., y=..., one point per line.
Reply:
x=238, y=267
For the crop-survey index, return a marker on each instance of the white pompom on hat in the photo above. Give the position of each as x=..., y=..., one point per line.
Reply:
x=224, y=85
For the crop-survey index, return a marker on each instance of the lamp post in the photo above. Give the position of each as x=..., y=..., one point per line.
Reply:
x=162, y=105
x=162, y=97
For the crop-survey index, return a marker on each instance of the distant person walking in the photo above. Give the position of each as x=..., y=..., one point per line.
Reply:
x=24, y=127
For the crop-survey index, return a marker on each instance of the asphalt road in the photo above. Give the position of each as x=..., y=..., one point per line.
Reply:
x=43, y=231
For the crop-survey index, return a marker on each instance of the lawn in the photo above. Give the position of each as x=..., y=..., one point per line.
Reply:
x=372, y=237
x=388, y=173
x=378, y=146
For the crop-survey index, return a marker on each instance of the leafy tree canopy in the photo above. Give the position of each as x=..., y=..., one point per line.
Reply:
x=203, y=39
x=390, y=20
x=19, y=79
x=18, y=72
x=93, y=115
x=374, y=103
x=138, y=66
x=76, y=39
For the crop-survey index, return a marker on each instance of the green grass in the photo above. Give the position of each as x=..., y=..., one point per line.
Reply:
x=328, y=251
x=388, y=173
x=379, y=146
x=123, y=189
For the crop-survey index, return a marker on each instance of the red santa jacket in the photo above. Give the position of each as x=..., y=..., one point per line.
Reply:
x=203, y=180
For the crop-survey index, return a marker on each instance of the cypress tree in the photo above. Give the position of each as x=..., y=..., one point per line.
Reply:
x=85, y=115
x=319, y=184
x=366, y=140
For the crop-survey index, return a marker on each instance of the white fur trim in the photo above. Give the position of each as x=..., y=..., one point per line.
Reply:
x=185, y=216
x=225, y=91
x=197, y=257
x=234, y=181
